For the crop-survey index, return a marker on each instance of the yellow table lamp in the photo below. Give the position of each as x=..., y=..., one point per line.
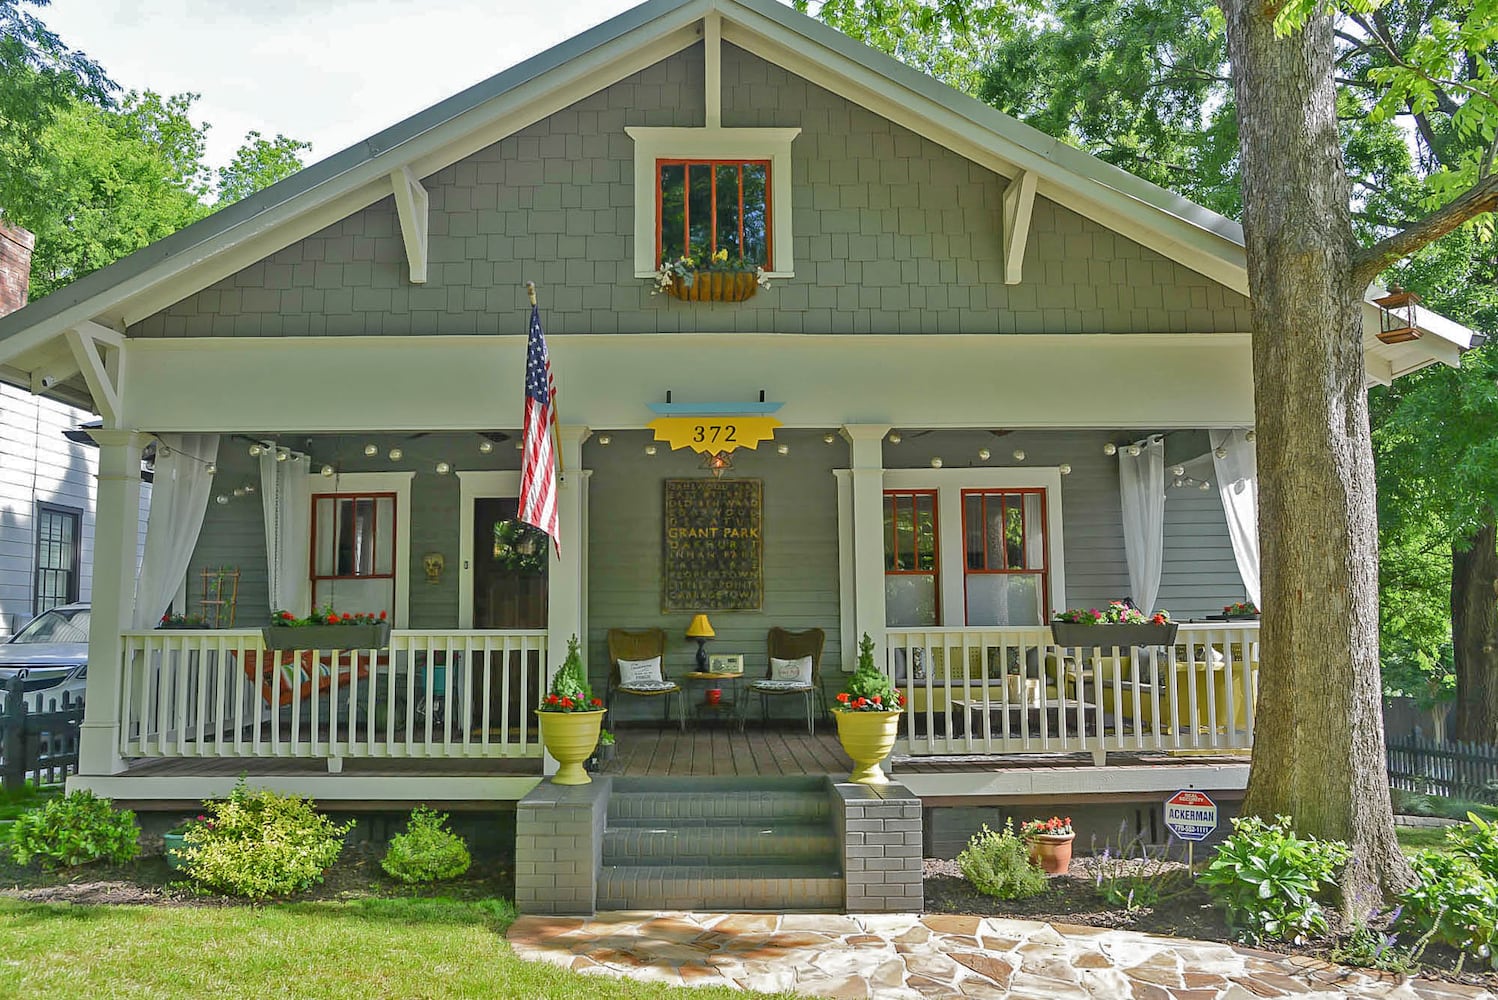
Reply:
x=701, y=630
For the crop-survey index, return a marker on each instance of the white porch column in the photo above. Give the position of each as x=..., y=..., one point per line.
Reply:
x=866, y=447
x=566, y=589
x=116, y=537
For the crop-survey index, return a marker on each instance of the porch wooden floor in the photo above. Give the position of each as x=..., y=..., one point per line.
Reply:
x=364, y=767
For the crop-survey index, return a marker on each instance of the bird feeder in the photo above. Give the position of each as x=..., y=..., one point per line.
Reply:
x=1396, y=317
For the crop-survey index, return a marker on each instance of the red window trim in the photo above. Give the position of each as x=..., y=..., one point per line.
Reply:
x=374, y=530
x=1045, y=551
x=893, y=540
x=686, y=226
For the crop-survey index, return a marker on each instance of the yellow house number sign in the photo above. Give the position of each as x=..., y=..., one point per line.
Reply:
x=710, y=435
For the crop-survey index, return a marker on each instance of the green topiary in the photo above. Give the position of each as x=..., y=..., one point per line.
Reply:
x=261, y=843
x=868, y=690
x=75, y=830
x=998, y=864
x=426, y=852
x=570, y=682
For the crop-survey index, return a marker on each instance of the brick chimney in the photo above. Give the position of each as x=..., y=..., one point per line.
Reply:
x=15, y=267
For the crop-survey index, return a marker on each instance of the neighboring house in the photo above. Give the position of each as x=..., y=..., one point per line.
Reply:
x=46, y=481
x=989, y=356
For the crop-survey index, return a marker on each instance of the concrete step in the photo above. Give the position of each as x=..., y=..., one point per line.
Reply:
x=793, y=843
x=780, y=888
x=718, y=808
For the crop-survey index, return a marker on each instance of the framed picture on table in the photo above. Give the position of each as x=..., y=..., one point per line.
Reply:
x=726, y=663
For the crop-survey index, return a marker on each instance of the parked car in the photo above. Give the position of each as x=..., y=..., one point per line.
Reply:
x=53, y=651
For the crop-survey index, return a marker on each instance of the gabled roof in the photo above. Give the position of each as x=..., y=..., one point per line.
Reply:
x=172, y=268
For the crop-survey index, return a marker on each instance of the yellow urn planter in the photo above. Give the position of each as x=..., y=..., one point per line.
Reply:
x=868, y=738
x=570, y=737
x=715, y=286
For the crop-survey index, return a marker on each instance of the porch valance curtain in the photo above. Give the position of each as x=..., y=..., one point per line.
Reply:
x=1141, y=482
x=1235, y=461
x=286, y=499
x=179, y=499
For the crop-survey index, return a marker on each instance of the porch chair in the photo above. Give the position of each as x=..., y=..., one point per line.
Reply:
x=648, y=644
x=789, y=647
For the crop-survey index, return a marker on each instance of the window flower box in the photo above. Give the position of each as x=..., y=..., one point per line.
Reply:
x=713, y=286
x=327, y=636
x=1106, y=636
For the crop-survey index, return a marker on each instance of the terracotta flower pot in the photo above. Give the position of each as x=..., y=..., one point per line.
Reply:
x=867, y=737
x=1052, y=851
x=570, y=737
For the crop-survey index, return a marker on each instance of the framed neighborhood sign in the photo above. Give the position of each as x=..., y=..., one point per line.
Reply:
x=714, y=545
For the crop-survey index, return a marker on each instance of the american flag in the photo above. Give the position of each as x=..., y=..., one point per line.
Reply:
x=538, y=470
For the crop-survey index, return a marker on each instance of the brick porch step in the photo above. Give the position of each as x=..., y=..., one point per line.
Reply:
x=733, y=888
x=712, y=844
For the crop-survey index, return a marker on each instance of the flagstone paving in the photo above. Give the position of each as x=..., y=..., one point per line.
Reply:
x=941, y=955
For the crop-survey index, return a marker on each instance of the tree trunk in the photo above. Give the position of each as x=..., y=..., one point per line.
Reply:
x=1474, y=634
x=1319, y=738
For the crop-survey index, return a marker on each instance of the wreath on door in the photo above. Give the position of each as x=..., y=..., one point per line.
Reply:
x=519, y=547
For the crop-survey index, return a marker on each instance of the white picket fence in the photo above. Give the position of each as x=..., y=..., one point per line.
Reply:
x=431, y=693
x=1013, y=690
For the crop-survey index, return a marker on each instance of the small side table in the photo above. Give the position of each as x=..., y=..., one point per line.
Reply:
x=730, y=707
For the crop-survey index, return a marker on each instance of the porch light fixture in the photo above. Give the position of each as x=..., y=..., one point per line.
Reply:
x=443, y=468
x=701, y=630
x=984, y=454
x=1064, y=468
x=1019, y=454
x=486, y=447
x=1110, y=448
x=717, y=463
x=395, y=454
x=1396, y=316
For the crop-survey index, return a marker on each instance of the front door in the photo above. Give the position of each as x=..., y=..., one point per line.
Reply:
x=509, y=580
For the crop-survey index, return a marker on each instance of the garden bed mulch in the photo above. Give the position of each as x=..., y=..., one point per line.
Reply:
x=1073, y=898
x=147, y=880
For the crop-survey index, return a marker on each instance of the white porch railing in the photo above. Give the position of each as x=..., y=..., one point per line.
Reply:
x=432, y=693
x=1012, y=690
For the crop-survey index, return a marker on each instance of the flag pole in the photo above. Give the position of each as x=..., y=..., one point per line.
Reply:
x=556, y=438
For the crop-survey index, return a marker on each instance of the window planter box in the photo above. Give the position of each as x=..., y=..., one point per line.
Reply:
x=1108, y=636
x=715, y=286
x=327, y=636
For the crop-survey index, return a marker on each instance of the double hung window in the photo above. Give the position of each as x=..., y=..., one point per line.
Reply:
x=353, y=551
x=912, y=587
x=1005, y=570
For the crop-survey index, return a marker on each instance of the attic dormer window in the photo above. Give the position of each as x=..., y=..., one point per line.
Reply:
x=714, y=188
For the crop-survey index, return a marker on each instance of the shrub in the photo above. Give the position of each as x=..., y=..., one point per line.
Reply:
x=426, y=852
x=261, y=843
x=1267, y=879
x=75, y=830
x=1454, y=903
x=1476, y=840
x=998, y=864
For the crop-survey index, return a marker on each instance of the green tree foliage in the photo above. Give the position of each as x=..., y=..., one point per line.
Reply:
x=40, y=77
x=97, y=178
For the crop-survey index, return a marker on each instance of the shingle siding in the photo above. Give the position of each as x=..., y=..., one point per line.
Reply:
x=892, y=234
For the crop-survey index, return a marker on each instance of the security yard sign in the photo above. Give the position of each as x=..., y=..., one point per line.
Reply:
x=1190, y=815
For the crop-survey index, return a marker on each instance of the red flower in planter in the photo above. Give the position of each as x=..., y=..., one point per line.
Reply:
x=843, y=697
x=552, y=699
x=566, y=702
x=597, y=702
x=382, y=616
x=877, y=699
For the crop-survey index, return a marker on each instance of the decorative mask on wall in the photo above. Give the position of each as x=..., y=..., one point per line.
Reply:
x=433, y=563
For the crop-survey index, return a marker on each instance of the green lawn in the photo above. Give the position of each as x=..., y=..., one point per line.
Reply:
x=369, y=948
x=13, y=803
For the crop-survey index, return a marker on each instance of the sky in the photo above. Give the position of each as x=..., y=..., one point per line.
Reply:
x=331, y=72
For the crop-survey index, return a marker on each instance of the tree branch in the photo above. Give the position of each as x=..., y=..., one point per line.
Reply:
x=1368, y=262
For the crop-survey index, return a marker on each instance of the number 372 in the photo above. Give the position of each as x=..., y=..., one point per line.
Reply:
x=714, y=433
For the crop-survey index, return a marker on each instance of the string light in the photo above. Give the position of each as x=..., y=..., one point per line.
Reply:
x=1110, y=448
x=371, y=450
x=395, y=454
x=784, y=449
x=1133, y=450
x=212, y=469
x=220, y=499
x=282, y=454
x=605, y=440
x=256, y=451
x=894, y=437
x=650, y=449
x=1064, y=468
x=829, y=438
x=936, y=462
x=1220, y=452
x=239, y=491
x=487, y=446
x=443, y=468
x=1177, y=470
x=327, y=471
x=1249, y=435
x=1019, y=454
x=984, y=454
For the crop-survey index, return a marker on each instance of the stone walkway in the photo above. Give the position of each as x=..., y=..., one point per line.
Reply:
x=940, y=955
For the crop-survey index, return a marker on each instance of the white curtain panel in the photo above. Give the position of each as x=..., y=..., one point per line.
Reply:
x=286, y=499
x=179, y=498
x=1141, y=483
x=1238, y=482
